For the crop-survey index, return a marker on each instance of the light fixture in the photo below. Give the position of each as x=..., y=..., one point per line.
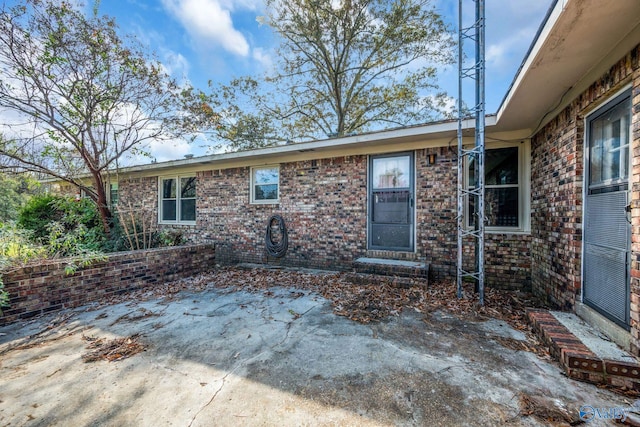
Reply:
x=432, y=158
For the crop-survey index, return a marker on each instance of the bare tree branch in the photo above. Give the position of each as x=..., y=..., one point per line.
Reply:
x=88, y=95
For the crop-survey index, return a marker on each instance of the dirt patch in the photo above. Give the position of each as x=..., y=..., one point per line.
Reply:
x=112, y=350
x=547, y=410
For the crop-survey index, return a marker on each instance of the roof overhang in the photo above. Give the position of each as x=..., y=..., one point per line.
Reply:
x=579, y=41
x=431, y=135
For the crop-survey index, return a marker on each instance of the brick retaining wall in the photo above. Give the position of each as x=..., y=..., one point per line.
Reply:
x=39, y=289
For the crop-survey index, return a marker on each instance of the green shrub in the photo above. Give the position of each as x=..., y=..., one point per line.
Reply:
x=79, y=228
x=15, y=190
x=37, y=214
x=16, y=247
x=164, y=238
x=77, y=221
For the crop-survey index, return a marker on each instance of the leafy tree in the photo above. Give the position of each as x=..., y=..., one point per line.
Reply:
x=79, y=95
x=345, y=66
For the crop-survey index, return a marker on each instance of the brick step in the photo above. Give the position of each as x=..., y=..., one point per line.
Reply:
x=577, y=359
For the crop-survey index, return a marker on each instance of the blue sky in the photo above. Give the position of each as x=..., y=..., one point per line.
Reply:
x=216, y=40
x=202, y=40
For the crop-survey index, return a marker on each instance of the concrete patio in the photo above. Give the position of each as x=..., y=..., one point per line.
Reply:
x=227, y=357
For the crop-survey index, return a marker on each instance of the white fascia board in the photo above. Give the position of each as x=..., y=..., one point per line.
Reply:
x=407, y=133
x=413, y=133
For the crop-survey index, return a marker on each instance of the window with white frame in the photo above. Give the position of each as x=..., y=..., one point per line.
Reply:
x=506, y=194
x=178, y=199
x=265, y=184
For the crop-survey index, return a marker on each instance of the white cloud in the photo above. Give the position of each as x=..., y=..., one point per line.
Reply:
x=209, y=21
x=175, y=64
x=510, y=29
x=507, y=50
x=162, y=151
x=263, y=58
x=242, y=4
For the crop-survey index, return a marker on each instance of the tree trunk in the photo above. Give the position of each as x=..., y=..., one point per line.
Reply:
x=102, y=203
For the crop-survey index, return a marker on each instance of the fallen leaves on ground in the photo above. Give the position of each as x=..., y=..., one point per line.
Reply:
x=374, y=298
x=378, y=297
x=111, y=350
x=547, y=410
x=370, y=299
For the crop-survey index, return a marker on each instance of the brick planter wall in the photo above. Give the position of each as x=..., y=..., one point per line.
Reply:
x=39, y=289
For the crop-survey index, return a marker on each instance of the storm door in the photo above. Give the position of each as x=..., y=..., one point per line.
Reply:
x=391, y=202
x=607, y=229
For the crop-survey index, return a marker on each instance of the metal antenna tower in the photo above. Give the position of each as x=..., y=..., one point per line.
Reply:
x=473, y=193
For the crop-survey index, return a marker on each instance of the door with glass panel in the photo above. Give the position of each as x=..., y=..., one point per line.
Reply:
x=391, y=218
x=607, y=228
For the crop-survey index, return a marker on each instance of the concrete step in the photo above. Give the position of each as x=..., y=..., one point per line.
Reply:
x=583, y=352
x=398, y=272
x=391, y=267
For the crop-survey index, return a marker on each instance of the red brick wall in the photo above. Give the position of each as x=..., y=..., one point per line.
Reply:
x=139, y=194
x=324, y=205
x=436, y=209
x=556, y=208
x=44, y=288
x=507, y=255
x=557, y=181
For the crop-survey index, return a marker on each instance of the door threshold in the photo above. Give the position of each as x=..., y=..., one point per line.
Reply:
x=613, y=331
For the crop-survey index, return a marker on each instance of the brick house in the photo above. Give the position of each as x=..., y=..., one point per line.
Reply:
x=563, y=151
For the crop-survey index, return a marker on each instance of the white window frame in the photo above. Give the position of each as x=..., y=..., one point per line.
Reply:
x=253, y=184
x=524, y=188
x=178, y=199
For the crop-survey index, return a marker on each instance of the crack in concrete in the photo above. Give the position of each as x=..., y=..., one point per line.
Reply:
x=288, y=327
x=249, y=360
x=224, y=381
